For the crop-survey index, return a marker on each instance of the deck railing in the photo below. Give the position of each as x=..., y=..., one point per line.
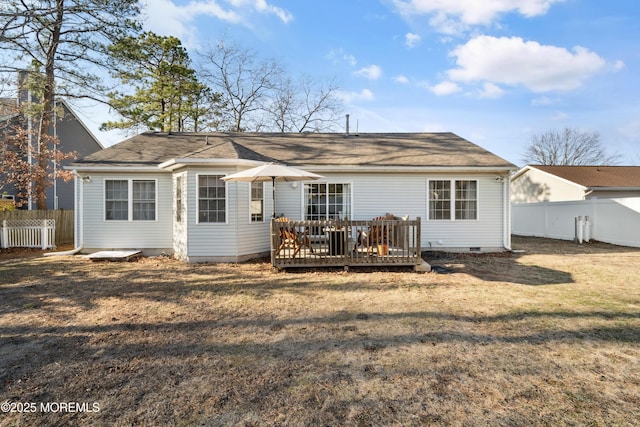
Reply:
x=345, y=243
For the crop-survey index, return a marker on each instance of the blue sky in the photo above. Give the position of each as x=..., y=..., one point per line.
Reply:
x=493, y=71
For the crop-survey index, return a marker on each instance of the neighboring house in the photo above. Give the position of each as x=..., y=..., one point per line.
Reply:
x=163, y=192
x=536, y=183
x=73, y=135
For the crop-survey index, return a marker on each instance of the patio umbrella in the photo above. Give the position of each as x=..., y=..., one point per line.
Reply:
x=272, y=172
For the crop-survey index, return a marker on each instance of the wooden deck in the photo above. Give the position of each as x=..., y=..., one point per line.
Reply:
x=344, y=243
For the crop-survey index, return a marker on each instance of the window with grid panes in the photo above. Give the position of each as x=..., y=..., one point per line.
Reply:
x=327, y=201
x=212, y=200
x=130, y=200
x=257, y=202
x=459, y=204
x=440, y=199
x=466, y=200
x=179, y=180
x=144, y=200
x=116, y=200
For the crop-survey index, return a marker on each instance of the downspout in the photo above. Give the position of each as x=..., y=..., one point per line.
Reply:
x=506, y=197
x=77, y=219
x=238, y=219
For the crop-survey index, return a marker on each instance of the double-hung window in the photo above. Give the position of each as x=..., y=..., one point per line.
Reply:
x=179, y=184
x=257, y=202
x=212, y=199
x=453, y=200
x=130, y=200
x=327, y=201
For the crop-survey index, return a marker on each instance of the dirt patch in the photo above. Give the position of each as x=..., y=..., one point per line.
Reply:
x=17, y=253
x=545, y=337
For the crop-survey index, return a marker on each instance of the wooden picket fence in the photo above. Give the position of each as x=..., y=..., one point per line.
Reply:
x=63, y=223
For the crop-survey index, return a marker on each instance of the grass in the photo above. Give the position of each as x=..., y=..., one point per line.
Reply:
x=547, y=337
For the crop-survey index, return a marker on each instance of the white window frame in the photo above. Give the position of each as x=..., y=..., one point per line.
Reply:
x=226, y=199
x=453, y=199
x=180, y=187
x=326, y=184
x=264, y=216
x=129, y=200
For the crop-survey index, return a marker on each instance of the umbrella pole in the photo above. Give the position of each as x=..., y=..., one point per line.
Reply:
x=273, y=190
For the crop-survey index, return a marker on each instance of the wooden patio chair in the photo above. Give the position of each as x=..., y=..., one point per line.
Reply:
x=291, y=238
x=375, y=235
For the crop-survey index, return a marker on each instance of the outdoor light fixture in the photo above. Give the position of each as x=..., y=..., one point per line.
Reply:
x=86, y=178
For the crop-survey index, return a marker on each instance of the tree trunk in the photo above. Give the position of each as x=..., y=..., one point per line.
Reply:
x=48, y=96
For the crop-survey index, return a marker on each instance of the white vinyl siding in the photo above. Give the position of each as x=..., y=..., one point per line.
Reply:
x=401, y=194
x=216, y=239
x=371, y=195
x=375, y=194
x=98, y=233
x=537, y=186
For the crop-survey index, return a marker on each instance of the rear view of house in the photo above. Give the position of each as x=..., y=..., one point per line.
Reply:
x=165, y=193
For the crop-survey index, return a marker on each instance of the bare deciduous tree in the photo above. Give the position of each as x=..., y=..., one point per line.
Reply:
x=568, y=147
x=245, y=82
x=305, y=105
x=259, y=96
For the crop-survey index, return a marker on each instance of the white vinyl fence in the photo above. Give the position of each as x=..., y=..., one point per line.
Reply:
x=28, y=233
x=614, y=221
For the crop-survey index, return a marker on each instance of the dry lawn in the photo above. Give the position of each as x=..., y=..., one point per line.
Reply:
x=546, y=337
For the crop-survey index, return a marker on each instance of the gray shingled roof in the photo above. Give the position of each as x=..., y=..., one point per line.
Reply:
x=301, y=149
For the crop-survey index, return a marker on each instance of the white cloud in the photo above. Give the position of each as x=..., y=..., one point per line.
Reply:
x=412, y=39
x=350, y=97
x=445, y=88
x=618, y=65
x=261, y=6
x=401, y=79
x=512, y=61
x=452, y=16
x=372, y=72
x=339, y=55
x=490, y=91
x=164, y=17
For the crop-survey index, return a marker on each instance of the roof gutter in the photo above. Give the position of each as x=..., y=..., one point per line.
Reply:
x=592, y=189
x=174, y=164
x=407, y=169
x=112, y=168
